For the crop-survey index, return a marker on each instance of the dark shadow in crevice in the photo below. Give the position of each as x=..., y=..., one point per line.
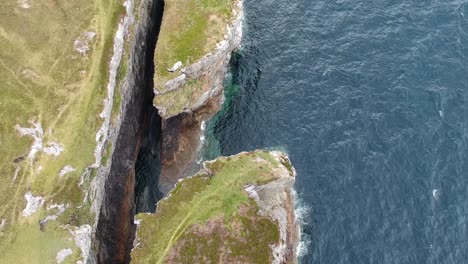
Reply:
x=115, y=231
x=148, y=167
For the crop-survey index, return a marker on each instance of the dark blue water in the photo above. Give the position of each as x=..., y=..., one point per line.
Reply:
x=369, y=98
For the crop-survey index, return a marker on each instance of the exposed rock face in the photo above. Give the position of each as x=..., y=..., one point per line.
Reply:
x=276, y=200
x=113, y=197
x=181, y=130
x=180, y=143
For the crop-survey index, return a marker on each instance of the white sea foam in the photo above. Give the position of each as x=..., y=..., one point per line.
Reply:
x=202, y=142
x=202, y=134
x=302, y=211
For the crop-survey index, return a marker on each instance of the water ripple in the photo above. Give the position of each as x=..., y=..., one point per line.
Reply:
x=370, y=100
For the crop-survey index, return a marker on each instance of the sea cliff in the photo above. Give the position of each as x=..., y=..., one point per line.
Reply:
x=113, y=188
x=235, y=209
x=173, y=133
x=188, y=95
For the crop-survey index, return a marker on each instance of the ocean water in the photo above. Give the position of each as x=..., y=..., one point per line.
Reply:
x=369, y=99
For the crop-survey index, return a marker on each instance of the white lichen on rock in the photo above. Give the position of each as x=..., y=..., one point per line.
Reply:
x=15, y=174
x=63, y=254
x=102, y=135
x=82, y=237
x=82, y=43
x=65, y=170
x=33, y=203
x=37, y=133
x=53, y=149
x=118, y=49
x=60, y=210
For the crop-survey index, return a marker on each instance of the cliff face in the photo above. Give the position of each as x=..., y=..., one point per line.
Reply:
x=190, y=96
x=113, y=196
x=236, y=209
x=276, y=201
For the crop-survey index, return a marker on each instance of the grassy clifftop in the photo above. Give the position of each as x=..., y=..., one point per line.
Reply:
x=54, y=64
x=189, y=30
x=209, y=218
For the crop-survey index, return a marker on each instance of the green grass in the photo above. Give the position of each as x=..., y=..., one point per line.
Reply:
x=37, y=246
x=247, y=237
x=44, y=79
x=189, y=30
x=205, y=197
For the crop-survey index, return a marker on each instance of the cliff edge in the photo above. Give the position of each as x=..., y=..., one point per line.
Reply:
x=193, y=51
x=191, y=59
x=235, y=209
x=62, y=68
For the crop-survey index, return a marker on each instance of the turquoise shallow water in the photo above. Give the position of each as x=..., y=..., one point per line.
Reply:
x=369, y=98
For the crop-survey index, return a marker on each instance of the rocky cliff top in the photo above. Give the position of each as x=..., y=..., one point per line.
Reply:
x=193, y=48
x=236, y=209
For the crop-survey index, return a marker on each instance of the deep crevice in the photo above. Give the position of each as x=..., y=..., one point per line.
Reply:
x=139, y=133
x=148, y=167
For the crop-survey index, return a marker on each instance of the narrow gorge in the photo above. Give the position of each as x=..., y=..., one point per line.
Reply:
x=164, y=105
x=155, y=142
x=138, y=120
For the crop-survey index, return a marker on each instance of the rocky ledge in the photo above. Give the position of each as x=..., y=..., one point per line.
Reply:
x=237, y=209
x=188, y=80
x=183, y=82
